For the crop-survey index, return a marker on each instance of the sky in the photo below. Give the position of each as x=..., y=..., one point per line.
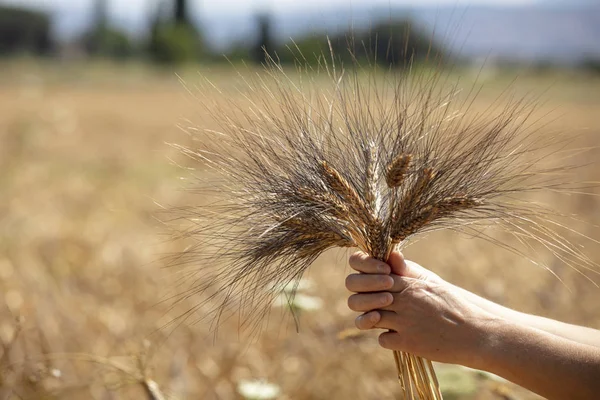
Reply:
x=71, y=17
x=121, y=7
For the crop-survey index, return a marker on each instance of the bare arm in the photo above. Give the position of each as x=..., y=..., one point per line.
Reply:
x=580, y=334
x=434, y=319
x=552, y=366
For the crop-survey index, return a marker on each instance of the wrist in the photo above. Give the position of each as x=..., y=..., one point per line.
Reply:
x=505, y=343
x=499, y=311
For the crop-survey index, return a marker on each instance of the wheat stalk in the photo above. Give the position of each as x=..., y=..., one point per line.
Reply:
x=305, y=163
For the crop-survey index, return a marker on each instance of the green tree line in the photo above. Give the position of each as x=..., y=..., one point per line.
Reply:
x=175, y=38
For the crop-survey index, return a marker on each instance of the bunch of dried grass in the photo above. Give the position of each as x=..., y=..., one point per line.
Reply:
x=355, y=157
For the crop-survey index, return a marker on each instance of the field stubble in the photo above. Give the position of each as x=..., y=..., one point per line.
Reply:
x=83, y=164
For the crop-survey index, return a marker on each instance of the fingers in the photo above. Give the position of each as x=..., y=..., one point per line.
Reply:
x=392, y=341
x=381, y=301
x=369, y=283
x=397, y=263
x=370, y=301
x=388, y=320
x=409, y=269
x=367, y=320
x=379, y=319
x=361, y=262
x=364, y=283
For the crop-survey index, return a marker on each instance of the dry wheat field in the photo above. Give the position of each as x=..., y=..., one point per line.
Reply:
x=85, y=175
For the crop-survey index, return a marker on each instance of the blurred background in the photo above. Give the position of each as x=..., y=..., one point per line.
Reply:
x=534, y=32
x=91, y=92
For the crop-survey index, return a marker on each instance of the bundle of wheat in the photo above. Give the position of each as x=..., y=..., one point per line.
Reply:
x=355, y=157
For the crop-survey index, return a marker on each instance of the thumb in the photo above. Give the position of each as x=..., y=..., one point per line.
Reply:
x=408, y=269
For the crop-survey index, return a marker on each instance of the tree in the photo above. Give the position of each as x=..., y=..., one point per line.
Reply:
x=181, y=12
x=264, y=46
x=397, y=43
x=23, y=30
x=94, y=40
x=174, y=39
x=105, y=41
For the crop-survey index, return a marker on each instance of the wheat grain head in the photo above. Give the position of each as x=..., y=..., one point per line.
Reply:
x=352, y=157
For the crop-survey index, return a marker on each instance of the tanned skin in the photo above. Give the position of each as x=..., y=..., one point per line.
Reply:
x=429, y=317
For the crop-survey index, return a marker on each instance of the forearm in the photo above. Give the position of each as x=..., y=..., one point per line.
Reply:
x=579, y=334
x=551, y=366
x=576, y=333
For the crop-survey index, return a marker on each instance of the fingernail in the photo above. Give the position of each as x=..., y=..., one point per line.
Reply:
x=385, y=298
x=388, y=281
x=369, y=317
x=360, y=321
x=383, y=268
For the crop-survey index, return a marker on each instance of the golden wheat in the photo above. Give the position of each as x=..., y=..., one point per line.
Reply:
x=302, y=175
x=396, y=171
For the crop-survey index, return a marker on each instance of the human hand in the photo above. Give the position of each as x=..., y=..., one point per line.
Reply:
x=426, y=315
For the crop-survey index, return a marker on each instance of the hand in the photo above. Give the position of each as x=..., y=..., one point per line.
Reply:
x=431, y=318
x=426, y=316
